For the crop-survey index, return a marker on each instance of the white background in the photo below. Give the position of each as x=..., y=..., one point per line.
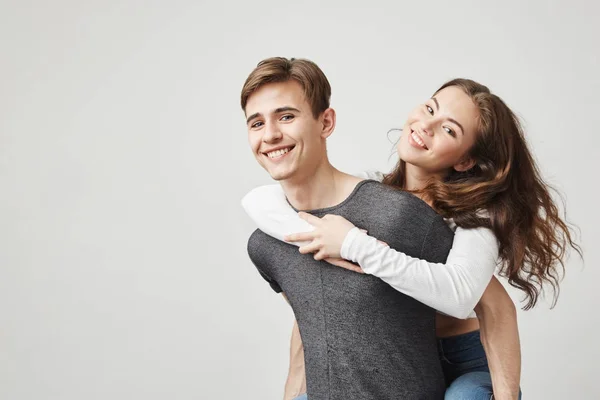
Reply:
x=123, y=157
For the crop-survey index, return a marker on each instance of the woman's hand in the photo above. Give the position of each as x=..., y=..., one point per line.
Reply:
x=340, y=262
x=327, y=238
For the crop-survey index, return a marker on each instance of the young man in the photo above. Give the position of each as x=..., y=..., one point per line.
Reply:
x=362, y=339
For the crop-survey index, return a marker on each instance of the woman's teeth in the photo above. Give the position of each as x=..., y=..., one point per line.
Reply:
x=417, y=139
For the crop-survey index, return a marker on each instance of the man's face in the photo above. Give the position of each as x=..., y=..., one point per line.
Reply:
x=284, y=136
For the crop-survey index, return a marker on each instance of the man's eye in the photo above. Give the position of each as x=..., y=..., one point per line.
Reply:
x=287, y=117
x=257, y=124
x=430, y=110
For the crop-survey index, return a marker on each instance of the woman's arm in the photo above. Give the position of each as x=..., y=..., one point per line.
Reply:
x=500, y=338
x=270, y=210
x=453, y=288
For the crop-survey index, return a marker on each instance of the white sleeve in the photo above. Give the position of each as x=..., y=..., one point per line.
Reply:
x=453, y=288
x=270, y=210
x=371, y=174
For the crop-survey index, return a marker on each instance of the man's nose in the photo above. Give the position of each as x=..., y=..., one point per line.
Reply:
x=272, y=133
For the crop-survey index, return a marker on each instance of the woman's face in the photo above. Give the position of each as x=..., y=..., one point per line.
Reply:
x=439, y=133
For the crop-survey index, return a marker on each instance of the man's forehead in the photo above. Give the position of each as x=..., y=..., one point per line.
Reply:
x=276, y=95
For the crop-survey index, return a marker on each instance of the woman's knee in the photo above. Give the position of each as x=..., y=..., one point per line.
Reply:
x=471, y=386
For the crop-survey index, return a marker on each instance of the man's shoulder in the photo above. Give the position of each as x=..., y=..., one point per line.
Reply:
x=379, y=194
x=399, y=218
x=370, y=187
x=257, y=240
x=261, y=245
x=395, y=207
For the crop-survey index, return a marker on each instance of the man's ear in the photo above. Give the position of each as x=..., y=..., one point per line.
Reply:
x=465, y=164
x=327, y=123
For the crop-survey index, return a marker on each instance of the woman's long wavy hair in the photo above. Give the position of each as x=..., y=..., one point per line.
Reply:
x=505, y=183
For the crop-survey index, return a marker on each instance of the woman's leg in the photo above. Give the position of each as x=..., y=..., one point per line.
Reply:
x=465, y=367
x=461, y=354
x=470, y=386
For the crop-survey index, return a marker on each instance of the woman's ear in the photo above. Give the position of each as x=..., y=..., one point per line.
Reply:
x=465, y=164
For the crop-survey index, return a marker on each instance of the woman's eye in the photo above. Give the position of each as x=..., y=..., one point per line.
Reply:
x=429, y=109
x=449, y=130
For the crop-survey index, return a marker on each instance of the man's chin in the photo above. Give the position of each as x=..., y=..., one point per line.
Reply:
x=281, y=175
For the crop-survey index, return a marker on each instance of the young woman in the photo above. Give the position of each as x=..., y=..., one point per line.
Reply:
x=463, y=152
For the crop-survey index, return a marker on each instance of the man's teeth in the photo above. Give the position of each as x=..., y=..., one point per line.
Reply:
x=417, y=139
x=278, y=153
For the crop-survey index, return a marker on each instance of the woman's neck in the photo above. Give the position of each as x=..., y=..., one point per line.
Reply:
x=417, y=179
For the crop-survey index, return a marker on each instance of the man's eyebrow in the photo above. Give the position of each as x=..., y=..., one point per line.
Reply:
x=286, y=108
x=250, y=118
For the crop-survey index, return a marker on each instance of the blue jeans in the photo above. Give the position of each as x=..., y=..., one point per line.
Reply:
x=465, y=368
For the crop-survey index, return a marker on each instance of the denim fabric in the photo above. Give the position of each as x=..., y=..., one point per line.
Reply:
x=465, y=367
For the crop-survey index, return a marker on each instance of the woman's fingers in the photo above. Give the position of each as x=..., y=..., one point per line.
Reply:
x=310, y=248
x=300, y=237
x=311, y=219
x=320, y=255
x=345, y=264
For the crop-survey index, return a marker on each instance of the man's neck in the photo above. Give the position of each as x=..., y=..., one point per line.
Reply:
x=324, y=187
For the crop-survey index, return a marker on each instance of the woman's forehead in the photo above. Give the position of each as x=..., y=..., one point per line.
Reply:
x=455, y=103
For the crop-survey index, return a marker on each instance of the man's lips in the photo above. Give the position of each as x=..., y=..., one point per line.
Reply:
x=278, y=152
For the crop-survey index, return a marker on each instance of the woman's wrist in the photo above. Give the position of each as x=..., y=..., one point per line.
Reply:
x=346, y=249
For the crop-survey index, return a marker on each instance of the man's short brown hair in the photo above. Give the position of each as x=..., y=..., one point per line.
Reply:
x=279, y=69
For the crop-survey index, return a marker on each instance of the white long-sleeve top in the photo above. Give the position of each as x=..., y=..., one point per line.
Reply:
x=453, y=288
